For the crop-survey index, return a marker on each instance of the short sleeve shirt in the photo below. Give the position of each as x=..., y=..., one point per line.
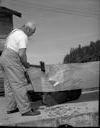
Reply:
x=16, y=40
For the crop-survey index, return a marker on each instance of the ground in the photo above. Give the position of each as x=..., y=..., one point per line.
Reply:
x=80, y=112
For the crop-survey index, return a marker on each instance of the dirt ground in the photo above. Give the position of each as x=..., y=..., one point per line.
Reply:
x=83, y=110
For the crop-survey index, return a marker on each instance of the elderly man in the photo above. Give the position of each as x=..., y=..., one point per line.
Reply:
x=14, y=62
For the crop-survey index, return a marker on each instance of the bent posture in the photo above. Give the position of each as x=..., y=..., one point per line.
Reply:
x=14, y=62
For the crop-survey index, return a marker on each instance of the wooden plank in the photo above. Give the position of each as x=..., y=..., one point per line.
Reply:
x=2, y=43
x=9, y=11
x=69, y=76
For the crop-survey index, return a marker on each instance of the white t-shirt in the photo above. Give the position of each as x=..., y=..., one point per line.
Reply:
x=17, y=40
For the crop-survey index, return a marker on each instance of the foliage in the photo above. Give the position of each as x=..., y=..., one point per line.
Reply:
x=83, y=54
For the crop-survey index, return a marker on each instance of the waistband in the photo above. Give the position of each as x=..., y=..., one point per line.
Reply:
x=10, y=50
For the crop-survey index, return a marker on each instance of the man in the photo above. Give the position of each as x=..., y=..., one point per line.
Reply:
x=14, y=62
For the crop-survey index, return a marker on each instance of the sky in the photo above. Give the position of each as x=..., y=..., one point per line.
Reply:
x=61, y=25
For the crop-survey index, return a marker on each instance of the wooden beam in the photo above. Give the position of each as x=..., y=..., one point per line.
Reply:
x=9, y=11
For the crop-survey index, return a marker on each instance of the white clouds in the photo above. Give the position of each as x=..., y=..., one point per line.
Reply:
x=56, y=32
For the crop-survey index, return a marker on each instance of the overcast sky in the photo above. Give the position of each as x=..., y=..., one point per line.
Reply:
x=61, y=25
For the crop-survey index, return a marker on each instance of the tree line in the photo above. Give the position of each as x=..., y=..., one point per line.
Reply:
x=84, y=54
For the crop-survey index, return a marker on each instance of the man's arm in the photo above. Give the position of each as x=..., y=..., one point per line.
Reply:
x=23, y=57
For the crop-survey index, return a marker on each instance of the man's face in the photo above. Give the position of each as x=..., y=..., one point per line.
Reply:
x=31, y=31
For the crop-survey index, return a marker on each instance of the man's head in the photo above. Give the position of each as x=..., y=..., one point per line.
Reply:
x=29, y=28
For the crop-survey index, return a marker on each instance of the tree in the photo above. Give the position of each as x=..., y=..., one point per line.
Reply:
x=84, y=54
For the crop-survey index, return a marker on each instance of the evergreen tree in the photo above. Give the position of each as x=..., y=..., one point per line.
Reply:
x=84, y=54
